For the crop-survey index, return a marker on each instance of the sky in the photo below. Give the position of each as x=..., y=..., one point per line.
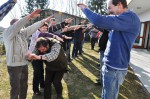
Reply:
x=16, y=13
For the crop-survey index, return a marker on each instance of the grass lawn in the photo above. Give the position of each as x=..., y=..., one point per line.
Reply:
x=78, y=83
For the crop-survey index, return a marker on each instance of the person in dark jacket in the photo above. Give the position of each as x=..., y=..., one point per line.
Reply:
x=102, y=42
x=50, y=51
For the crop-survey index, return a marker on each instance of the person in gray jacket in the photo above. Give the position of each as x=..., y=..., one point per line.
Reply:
x=15, y=41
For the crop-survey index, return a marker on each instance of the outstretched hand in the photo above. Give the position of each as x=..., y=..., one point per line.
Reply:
x=48, y=19
x=34, y=14
x=82, y=6
x=15, y=1
x=69, y=20
x=32, y=56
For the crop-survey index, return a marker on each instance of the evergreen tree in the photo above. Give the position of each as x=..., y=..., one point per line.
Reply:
x=98, y=6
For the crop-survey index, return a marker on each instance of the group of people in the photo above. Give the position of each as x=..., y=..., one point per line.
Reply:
x=46, y=46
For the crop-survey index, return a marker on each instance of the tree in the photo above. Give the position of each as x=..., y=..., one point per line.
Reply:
x=31, y=5
x=98, y=6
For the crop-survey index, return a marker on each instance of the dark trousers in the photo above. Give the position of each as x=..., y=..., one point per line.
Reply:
x=76, y=47
x=54, y=77
x=66, y=47
x=18, y=81
x=93, y=41
x=38, y=75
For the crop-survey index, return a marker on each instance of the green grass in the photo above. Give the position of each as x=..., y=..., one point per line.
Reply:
x=78, y=83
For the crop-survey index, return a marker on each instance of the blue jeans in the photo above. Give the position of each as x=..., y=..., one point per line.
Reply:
x=101, y=58
x=101, y=55
x=112, y=79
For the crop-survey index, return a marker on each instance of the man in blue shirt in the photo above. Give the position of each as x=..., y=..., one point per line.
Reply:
x=6, y=7
x=124, y=27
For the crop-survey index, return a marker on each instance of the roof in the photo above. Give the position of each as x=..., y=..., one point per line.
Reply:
x=139, y=6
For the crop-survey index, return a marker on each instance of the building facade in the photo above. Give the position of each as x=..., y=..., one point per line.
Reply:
x=142, y=9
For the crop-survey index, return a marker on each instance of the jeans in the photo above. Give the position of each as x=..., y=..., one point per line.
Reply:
x=101, y=58
x=18, y=81
x=112, y=79
x=101, y=64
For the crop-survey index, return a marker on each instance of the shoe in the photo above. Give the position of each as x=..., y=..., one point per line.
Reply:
x=97, y=80
x=98, y=65
x=76, y=55
x=69, y=60
x=98, y=83
x=37, y=93
x=41, y=89
x=80, y=54
x=59, y=97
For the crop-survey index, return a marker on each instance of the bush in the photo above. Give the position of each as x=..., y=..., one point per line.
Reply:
x=2, y=49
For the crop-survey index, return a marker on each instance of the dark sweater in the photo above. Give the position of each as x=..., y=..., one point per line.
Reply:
x=60, y=63
x=103, y=40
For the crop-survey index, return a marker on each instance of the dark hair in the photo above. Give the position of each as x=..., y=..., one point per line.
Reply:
x=41, y=41
x=123, y=2
x=53, y=19
x=45, y=24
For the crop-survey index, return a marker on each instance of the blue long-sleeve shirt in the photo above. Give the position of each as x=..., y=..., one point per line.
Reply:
x=5, y=8
x=124, y=29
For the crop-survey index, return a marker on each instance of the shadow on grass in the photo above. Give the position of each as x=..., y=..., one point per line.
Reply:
x=132, y=87
x=89, y=65
x=80, y=86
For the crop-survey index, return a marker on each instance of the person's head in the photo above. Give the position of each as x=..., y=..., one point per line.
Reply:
x=13, y=21
x=65, y=29
x=116, y=7
x=42, y=45
x=44, y=28
x=53, y=21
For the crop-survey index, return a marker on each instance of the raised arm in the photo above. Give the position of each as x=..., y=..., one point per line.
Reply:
x=31, y=29
x=17, y=25
x=60, y=25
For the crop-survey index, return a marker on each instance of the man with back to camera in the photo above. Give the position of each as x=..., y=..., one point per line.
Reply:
x=15, y=41
x=124, y=27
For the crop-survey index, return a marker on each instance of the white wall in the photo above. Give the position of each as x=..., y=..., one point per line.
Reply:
x=145, y=16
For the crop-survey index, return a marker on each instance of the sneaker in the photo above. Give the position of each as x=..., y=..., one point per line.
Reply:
x=69, y=60
x=97, y=80
x=98, y=83
x=41, y=89
x=59, y=97
x=98, y=65
x=37, y=93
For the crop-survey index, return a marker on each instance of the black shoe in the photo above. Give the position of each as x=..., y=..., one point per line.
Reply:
x=98, y=83
x=97, y=80
x=37, y=93
x=59, y=97
x=69, y=60
x=98, y=65
x=80, y=54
